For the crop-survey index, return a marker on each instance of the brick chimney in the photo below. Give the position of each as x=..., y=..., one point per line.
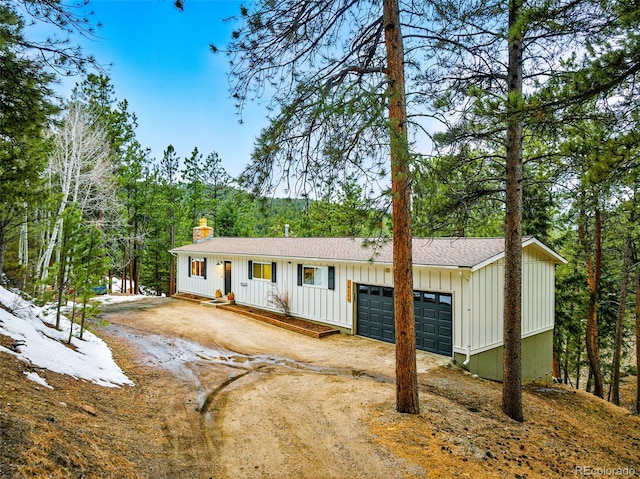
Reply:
x=202, y=232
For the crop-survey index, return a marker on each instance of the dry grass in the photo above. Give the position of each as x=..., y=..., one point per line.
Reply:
x=144, y=431
x=461, y=431
x=46, y=434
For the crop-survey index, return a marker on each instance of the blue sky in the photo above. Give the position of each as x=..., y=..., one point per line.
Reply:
x=158, y=58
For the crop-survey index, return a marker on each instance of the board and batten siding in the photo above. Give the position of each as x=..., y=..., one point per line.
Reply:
x=487, y=305
x=538, y=292
x=477, y=294
x=485, y=327
x=195, y=284
x=308, y=302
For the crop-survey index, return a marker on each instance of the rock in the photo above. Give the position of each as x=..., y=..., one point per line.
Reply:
x=89, y=409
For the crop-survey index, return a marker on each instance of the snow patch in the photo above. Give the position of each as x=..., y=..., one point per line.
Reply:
x=39, y=343
x=112, y=299
x=35, y=377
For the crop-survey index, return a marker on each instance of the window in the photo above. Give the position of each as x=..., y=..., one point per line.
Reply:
x=262, y=271
x=321, y=276
x=198, y=268
x=445, y=299
x=314, y=276
x=429, y=297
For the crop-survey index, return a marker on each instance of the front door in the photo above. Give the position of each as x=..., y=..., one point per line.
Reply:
x=227, y=277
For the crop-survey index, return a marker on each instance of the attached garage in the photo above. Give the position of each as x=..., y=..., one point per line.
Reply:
x=348, y=283
x=432, y=311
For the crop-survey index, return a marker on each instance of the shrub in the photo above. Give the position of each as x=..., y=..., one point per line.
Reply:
x=280, y=300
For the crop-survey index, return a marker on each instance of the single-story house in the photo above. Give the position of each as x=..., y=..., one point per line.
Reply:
x=348, y=283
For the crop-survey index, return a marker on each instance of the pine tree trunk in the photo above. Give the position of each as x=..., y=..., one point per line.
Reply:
x=512, y=367
x=617, y=349
x=131, y=264
x=123, y=280
x=85, y=295
x=2, y=248
x=594, y=268
x=578, y=359
x=23, y=248
x=73, y=315
x=172, y=264
x=557, y=373
x=637, y=340
x=61, y=275
x=407, y=400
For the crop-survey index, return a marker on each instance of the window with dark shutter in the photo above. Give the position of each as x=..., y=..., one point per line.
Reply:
x=189, y=266
x=331, y=282
x=273, y=272
x=250, y=269
x=204, y=268
x=299, y=275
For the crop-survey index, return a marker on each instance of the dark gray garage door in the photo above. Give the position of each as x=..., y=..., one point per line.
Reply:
x=432, y=314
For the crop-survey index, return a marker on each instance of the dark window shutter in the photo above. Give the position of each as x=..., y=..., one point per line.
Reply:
x=332, y=277
x=299, y=275
x=204, y=267
x=189, y=266
x=250, y=269
x=273, y=272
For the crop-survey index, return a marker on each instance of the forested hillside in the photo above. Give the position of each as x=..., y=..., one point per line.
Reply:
x=82, y=200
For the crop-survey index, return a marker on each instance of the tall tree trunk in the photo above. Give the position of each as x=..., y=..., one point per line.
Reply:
x=172, y=263
x=637, y=339
x=407, y=400
x=61, y=275
x=123, y=280
x=3, y=226
x=135, y=274
x=512, y=367
x=594, y=268
x=73, y=315
x=85, y=296
x=578, y=359
x=617, y=349
x=131, y=264
x=23, y=248
x=557, y=373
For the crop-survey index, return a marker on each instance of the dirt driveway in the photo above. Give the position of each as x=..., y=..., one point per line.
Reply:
x=256, y=401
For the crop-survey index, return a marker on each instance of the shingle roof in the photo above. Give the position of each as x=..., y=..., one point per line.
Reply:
x=444, y=252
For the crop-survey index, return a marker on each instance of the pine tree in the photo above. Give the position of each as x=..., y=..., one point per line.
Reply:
x=270, y=49
x=25, y=107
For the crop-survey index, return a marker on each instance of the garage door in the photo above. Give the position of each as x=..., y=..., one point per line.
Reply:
x=433, y=322
x=432, y=315
x=375, y=313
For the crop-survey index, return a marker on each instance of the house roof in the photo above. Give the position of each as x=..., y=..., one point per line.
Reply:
x=441, y=252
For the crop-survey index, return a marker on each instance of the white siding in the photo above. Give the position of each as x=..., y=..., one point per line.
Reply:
x=477, y=295
x=197, y=285
x=538, y=292
x=309, y=302
x=538, y=299
x=487, y=286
